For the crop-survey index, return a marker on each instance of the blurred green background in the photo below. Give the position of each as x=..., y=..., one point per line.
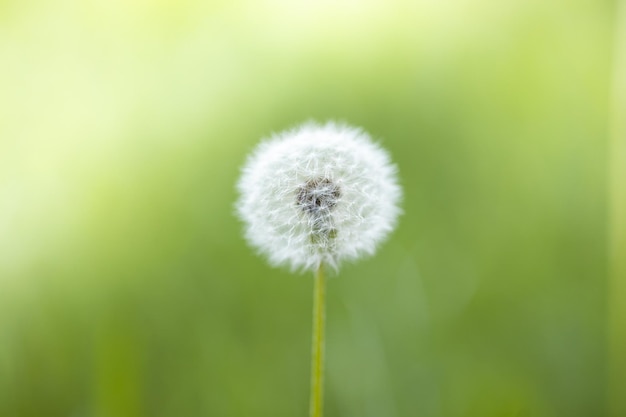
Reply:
x=126, y=288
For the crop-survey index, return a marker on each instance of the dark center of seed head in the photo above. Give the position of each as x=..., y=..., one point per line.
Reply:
x=318, y=196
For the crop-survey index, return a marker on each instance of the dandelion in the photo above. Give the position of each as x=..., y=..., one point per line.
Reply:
x=318, y=194
x=313, y=196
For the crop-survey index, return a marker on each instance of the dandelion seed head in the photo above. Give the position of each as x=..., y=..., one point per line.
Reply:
x=318, y=194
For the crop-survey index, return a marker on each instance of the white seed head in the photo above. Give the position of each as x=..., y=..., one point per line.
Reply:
x=318, y=194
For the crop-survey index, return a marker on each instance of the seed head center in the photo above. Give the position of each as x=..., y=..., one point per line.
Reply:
x=317, y=197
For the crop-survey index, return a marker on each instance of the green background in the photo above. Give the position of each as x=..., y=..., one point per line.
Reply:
x=126, y=288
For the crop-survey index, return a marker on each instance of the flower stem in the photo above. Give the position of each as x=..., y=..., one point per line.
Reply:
x=317, y=355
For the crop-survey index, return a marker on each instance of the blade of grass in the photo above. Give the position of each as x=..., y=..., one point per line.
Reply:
x=617, y=223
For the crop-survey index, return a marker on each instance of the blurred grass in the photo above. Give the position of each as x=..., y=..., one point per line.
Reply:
x=617, y=226
x=126, y=288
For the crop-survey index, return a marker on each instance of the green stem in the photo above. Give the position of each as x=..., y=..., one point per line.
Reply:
x=317, y=356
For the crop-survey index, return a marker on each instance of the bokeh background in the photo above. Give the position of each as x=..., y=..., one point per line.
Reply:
x=126, y=288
